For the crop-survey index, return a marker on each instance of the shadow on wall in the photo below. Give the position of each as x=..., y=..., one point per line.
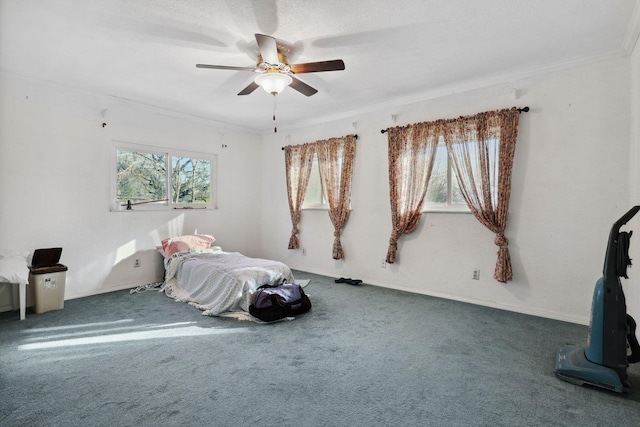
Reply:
x=140, y=268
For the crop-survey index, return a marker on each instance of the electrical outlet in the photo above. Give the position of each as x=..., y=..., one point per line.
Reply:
x=304, y=251
x=476, y=274
x=383, y=264
x=136, y=263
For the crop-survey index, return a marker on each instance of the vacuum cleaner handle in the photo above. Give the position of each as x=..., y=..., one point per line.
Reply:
x=610, y=260
x=625, y=218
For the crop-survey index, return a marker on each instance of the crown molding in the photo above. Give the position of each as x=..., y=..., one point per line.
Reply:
x=633, y=33
x=461, y=87
x=131, y=103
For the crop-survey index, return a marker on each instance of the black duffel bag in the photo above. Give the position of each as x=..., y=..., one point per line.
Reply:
x=275, y=302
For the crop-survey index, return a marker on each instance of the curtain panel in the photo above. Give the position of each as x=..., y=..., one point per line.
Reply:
x=481, y=149
x=335, y=163
x=298, y=160
x=412, y=152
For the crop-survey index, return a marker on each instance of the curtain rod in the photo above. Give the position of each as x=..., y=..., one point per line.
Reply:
x=521, y=110
x=355, y=136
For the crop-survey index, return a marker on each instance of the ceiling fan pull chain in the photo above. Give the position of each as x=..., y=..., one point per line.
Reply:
x=275, y=128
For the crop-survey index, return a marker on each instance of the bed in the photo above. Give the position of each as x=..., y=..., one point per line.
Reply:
x=213, y=280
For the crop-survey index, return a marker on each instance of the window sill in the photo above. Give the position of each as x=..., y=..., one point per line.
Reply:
x=164, y=209
x=447, y=209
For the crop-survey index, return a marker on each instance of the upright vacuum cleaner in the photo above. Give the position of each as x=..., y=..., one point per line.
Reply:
x=611, y=342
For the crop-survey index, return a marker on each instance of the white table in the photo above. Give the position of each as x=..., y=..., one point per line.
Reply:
x=23, y=300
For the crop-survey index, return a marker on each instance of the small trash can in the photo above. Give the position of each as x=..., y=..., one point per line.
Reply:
x=47, y=279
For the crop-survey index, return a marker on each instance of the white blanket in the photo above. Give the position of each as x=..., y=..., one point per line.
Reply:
x=217, y=282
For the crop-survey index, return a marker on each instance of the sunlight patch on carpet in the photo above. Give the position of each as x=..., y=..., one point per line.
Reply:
x=188, y=331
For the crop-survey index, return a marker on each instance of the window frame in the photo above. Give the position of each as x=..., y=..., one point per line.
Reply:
x=169, y=154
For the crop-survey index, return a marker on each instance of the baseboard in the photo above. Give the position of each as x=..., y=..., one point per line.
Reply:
x=114, y=288
x=13, y=306
x=492, y=304
x=8, y=307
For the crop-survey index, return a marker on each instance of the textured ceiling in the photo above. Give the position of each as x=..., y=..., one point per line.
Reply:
x=145, y=51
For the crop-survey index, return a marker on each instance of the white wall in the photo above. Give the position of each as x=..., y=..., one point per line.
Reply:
x=55, y=172
x=571, y=180
x=570, y=183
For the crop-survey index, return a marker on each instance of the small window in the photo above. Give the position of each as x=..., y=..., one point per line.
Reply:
x=314, y=197
x=155, y=178
x=443, y=193
x=190, y=180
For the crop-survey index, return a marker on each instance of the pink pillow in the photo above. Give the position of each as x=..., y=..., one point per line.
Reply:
x=187, y=242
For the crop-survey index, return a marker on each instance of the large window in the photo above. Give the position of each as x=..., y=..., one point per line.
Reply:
x=443, y=193
x=149, y=178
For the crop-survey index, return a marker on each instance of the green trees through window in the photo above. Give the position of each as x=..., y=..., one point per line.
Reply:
x=143, y=178
x=190, y=180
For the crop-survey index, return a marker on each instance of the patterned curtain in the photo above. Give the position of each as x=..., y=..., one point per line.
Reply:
x=298, y=160
x=481, y=150
x=412, y=152
x=335, y=162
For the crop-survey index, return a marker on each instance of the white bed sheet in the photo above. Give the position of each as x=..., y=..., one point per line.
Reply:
x=219, y=282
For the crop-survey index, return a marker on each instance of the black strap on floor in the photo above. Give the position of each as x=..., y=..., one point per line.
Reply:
x=632, y=341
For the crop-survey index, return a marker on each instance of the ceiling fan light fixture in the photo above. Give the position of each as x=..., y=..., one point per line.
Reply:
x=273, y=82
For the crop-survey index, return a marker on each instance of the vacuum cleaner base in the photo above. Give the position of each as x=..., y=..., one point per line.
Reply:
x=573, y=366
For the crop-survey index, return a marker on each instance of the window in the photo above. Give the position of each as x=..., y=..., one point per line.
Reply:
x=443, y=193
x=190, y=180
x=314, y=197
x=151, y=178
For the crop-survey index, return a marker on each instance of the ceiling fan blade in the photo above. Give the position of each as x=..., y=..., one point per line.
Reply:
x=302, y=87
x=224, y=67
x=314, y=67
x=247, y=90
x=268, y=49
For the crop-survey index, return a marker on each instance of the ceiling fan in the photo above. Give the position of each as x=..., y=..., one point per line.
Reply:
x=274, y=71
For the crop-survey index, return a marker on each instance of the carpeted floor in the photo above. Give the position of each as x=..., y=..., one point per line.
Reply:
x=364, y=356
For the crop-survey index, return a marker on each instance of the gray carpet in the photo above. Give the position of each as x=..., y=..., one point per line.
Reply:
x=364, y=356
